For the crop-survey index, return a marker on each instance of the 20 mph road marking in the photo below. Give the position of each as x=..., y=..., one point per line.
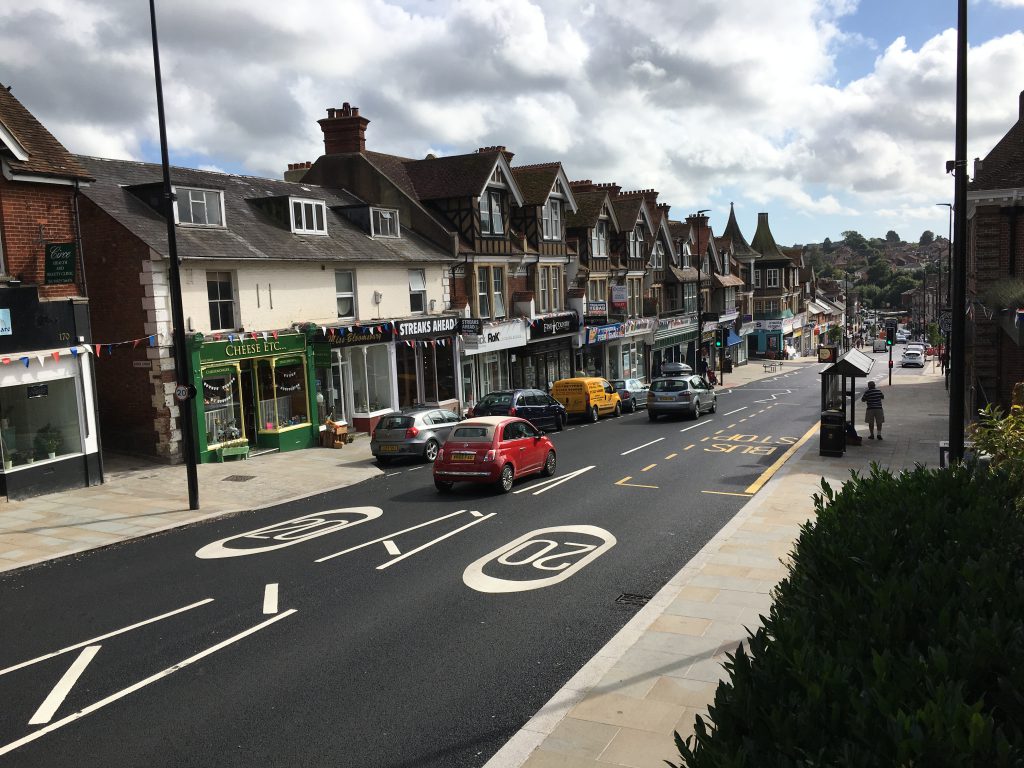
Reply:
x=60, y=691
x=420, y=548
x=139, y=685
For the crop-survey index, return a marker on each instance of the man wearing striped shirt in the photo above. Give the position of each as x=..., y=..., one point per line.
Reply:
x=875, y=416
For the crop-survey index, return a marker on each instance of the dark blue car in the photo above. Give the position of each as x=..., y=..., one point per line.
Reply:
x=538, y=408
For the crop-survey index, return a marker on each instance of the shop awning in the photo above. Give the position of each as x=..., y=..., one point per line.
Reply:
x=733, y=339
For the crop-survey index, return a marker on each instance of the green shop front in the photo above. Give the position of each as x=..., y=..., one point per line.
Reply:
x=253, y=392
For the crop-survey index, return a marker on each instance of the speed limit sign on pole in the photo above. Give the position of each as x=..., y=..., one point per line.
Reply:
x=184, y=392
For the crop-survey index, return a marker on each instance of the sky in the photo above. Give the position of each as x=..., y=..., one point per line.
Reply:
x=830, y=115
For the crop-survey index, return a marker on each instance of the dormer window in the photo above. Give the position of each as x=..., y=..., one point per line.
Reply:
x=199, y=207
x=308, y=217
x=383, y=222
x=553, y=219
x=658, y=257
x=599, y=240
x=497, y=177
x=636, y=242
x=491, y=222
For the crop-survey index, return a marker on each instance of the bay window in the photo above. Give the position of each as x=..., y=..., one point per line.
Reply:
x=549, y=282
x=490, y=283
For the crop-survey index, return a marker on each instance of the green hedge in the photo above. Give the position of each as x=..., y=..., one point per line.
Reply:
x=897, y=639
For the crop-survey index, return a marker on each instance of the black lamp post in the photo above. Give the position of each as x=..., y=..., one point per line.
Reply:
x=698, y=355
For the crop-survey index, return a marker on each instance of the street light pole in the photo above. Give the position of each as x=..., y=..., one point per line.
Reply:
x=698, y=354
x=958, y=307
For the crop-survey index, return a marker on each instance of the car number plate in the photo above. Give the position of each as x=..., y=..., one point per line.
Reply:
x=665, y=398
x=389, y=449
x=463, y=456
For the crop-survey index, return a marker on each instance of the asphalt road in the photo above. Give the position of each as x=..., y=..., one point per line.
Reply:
x=405, y=628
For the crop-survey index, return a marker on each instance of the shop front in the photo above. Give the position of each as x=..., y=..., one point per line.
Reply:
x=548, y=355
x=426, y=361
x=766, y=339
x=253, y=391
x=485, y=350
x=48, y=426
x=355, y=374
x=673, y=338
x=628, y=353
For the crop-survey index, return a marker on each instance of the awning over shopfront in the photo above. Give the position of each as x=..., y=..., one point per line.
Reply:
x=733, y=339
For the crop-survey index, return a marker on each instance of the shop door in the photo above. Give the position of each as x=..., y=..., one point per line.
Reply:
x=341, y=375
x=249, y=416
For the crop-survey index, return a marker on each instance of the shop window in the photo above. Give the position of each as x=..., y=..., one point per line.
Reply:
x=345, y=291
x=200, y=207
x=417, y=291
x=222, y=405
x=371, y=378
x=221, y=296
x=438, y=368
x=37, y=420
x=283, y=400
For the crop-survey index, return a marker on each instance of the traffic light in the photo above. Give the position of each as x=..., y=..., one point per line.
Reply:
x=718, y=338
x=890, y=336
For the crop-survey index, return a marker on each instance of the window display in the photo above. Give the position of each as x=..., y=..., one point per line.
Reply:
x=282, y=393
x=39, y=421
x=371, y=378
x=222, y=404
x=438, y=374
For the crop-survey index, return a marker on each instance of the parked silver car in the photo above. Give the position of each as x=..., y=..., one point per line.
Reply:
x=418, y=432
x=686, y=395
x=632, y=393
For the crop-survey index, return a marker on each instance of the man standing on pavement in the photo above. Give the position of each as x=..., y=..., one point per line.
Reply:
x=875, y=416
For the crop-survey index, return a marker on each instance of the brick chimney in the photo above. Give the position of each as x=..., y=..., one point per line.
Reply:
x=497, y=148
x=296, y=171
x=344, y=130
x=582, y=185
x=611, y=186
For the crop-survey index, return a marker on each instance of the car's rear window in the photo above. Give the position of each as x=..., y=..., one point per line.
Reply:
x=619, y=384
x=669, y=385
x=496, y=398
x=474, y=433
x=396, y=422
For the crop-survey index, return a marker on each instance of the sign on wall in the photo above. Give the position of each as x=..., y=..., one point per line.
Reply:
x=5, y=322
x=620, y=298
x=60, y=263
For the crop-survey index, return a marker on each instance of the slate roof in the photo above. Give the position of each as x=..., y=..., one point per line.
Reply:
x=250, y=233
x=740, y=247
x=47, y=156
x=764, y=241
x=1003, y=167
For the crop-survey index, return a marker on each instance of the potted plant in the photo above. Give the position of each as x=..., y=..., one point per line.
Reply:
x=48, y=440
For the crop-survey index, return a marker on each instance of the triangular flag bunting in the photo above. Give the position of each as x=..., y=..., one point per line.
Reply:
x=275, y=334
x=265, y=334
x=7, y=361
x=98, y=347
x=74, y=352
x=152, y=340
x=25, y=361
x=56, y=354
x=41, y=359
x=135, y=343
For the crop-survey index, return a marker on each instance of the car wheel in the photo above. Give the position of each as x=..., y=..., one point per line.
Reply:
x=430, y=450
x=714, y=406
x=618, y=410
x=443, y=486
x=696, y=409
x=631, y=405
x=651, y=415
x=549, y=465
x=559, y=422
x=507, y=476
x=594, y=415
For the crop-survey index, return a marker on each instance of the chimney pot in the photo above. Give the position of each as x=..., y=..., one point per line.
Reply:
x=344, y=130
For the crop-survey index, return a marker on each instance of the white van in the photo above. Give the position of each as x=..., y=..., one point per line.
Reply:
x=878, y=345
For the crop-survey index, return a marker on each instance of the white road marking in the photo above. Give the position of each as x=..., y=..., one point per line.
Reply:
x=411, y=552
x=288, y=533
x=547, y=485
x=84, y=643
x=392, y=548
x=60, y=691
x=694, y=426
x=6, y=748
x=474, y=513
x=388, y=536
x=421, y=466
x=641, y=446
x=270, y=599
x=392, y=474
x=730, y=413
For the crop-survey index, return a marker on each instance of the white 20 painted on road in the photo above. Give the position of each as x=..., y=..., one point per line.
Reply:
x=288, y=533
x=554, y=554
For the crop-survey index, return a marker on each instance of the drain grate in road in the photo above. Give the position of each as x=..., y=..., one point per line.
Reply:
x=628, y=599
x=238, y=478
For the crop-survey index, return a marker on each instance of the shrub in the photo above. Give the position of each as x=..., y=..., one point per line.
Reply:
x=897, y=637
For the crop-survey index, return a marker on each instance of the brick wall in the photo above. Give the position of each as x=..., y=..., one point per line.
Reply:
x=24, y=208
x=137, y=413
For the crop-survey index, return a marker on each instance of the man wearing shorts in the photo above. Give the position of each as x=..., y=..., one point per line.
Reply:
x=875, y=416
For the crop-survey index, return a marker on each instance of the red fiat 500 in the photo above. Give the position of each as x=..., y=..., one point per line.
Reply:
x=493, y=449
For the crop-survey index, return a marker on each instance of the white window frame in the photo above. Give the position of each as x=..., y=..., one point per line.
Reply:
x=492, y=222
x=552, y=219
x=757, y=277
x=636, y=242
x=599, y=239
x=550, y=279
x=183, y=196
x=658, y=255
x=597, y=289
x=771, y=278
x=634, y=296
x=346, y=294
x=219, y=274
x=417, y=287
x=390, y=215
x=490, y=291
x=311, y=218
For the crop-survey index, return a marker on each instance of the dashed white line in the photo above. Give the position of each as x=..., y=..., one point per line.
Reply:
x=270, y=599
x=420, y=548
x=392, y=474
x=421, y=466
x=730, y=413
x=694, y=426
x=631, y=450
x=60, y=691
x=388, y=536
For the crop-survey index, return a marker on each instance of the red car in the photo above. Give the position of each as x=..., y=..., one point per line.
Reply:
x=493, y=449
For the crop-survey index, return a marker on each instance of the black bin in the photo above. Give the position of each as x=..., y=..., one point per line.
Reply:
x=833, y=434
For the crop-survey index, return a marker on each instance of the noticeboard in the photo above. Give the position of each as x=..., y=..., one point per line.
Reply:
x=60, y=263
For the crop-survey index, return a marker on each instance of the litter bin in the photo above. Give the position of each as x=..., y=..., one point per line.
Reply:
x=833, y=434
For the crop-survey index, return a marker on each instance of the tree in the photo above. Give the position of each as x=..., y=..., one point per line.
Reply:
x=927, y=237
x=855, y=241
x=892, y=237
x=827, y=246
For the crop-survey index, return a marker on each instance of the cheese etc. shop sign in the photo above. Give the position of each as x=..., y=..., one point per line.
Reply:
x=214, y=351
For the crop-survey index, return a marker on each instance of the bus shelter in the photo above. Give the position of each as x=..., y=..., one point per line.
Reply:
x=838, y=399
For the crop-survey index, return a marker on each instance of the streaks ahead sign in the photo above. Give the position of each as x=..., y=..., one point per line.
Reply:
x=60, y=263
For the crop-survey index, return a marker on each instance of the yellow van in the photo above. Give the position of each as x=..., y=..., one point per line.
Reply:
x=589, y=397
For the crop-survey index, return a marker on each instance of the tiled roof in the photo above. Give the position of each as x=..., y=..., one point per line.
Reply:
x=437, y=178
x=627, y=209
x=589, y=209
x=1003, y=167
x=764, y=241
x=740, y=247
x=536, y=181
x=46, y=156
x=249, y=233
x=727, y=281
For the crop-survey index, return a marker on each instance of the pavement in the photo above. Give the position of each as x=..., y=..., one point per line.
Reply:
x=652, y=678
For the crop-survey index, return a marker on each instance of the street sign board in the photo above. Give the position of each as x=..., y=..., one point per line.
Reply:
x=945, y=322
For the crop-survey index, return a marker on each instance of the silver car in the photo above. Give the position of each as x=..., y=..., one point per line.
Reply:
x=632, y=393
x=415, y=432
x=686, y=395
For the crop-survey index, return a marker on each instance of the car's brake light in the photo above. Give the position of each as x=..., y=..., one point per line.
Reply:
x=489, y=456
x=512, y=411
x=411, y=432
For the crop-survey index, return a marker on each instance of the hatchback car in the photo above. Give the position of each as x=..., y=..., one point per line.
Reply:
x=493, y=449
x=632, y=393
x=540, y=409
x=912, y=358
x=416, y=432
x=687, y=395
